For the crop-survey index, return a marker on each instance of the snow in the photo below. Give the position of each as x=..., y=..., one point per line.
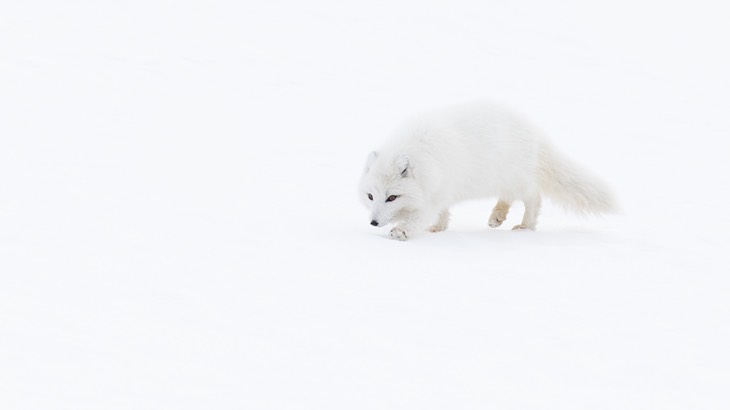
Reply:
x=179, y=223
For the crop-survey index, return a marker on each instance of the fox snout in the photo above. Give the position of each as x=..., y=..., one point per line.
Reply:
x=374, y=222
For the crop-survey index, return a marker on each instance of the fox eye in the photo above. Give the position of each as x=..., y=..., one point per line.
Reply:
x=370, y=197
x=391, y=198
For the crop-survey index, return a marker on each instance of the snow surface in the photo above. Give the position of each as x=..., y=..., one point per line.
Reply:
x=180, y=227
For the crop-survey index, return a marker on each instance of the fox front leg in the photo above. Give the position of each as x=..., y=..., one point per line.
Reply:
x=442, y=223
x=411, y=223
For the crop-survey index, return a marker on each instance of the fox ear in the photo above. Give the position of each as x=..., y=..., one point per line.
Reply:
x=404, y=165
x=371, y=158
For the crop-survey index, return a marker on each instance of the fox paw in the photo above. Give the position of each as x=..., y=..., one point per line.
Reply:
x=499, y=214
x=496, y=220
x=398, y=234
x=437, y=228
x=522, y=227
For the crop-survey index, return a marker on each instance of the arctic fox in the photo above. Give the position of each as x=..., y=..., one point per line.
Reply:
x=465, y=152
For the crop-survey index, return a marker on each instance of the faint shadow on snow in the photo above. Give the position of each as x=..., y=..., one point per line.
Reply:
x=502, y=238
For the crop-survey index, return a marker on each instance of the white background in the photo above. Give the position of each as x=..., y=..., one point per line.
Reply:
x=180, y=226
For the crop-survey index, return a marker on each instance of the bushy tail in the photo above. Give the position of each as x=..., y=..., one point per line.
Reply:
x=569, y=185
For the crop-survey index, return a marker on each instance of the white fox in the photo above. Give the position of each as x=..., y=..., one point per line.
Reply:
x=465, y=152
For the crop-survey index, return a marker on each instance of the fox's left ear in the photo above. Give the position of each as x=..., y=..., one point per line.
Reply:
x=404, y=165
x=371, y=158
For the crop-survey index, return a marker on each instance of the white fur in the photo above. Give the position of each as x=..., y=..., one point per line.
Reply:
x=471, y=151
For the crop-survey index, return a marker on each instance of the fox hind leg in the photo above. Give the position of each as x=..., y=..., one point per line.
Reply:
x=532, y=210
x=499, y=213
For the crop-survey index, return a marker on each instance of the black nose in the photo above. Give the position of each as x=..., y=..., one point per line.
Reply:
x=374, y=222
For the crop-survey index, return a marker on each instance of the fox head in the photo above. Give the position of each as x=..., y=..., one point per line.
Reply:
x=388, y=188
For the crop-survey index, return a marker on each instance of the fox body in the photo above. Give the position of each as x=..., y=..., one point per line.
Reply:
x=471, y=151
